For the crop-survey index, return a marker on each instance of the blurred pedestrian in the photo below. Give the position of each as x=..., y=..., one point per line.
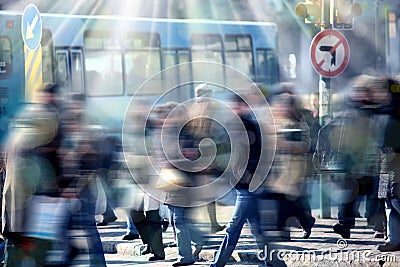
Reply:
x=201, y=127
x=80, y=159
x=178, y=202
x=351, y=164
x=144, y=208
x=30, y=218
x=287, y=179
x=246, y=205
x=389, y=180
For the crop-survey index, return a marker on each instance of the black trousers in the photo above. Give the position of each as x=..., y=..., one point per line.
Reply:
x=148, y=224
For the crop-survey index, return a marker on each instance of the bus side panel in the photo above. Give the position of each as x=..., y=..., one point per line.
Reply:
x=12, y=85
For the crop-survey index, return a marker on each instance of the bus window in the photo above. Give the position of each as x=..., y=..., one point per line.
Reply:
x=183, y=58
x=62, y=68
x=267, y=66
x=47, y=56
x=5, y=58
x=207, y=47
x=76, y=69
x=103, y=73
x=169, y=60
x=103, y=64
x=177, y=75
x=142, y=60
x=238, y=54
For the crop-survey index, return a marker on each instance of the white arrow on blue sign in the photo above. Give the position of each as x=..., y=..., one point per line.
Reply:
x=31, y=27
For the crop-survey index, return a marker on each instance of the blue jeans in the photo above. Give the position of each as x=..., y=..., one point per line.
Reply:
x=393, y=220
x=130, y=226
x=246, y=209
x=186, y=232
x=86, y=221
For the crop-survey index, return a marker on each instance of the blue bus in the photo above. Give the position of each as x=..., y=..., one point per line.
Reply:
x=107, y=58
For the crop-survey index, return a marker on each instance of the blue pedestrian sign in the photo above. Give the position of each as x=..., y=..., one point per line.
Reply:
x=31, y=27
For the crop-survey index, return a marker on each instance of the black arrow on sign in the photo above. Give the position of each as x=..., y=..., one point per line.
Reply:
x=326, y=48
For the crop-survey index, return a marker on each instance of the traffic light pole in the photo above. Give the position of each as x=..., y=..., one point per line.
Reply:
x=324, y=112
x=326, y=14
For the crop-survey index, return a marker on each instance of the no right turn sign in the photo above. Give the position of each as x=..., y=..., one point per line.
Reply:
x=329, y=53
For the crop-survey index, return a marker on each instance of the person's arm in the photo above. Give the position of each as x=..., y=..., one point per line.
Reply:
x=300, y=146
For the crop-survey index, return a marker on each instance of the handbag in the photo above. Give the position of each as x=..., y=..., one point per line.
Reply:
x=46, y=217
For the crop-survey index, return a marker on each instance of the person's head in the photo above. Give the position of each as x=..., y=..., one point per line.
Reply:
x=287, y=106
x=202, y=90
x=314, y=101
x=287, y=88
x=47, y=93
x=239, y=105
x=77, y=101
x=358, y=93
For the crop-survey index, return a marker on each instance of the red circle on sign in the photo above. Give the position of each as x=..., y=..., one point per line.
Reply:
x=341, y=42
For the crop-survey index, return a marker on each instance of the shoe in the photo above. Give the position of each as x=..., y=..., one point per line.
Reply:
x=341, y=230
x=73, y=252
x=106, y=221
x=164, y=225
x=146, y=250
x=217, y=228
x=179, y=263
x=130, y=236
x=157, y=258
x=307, y=230
x=378, y=234
x=170, y=245
x=387, y=247
x=196, y=252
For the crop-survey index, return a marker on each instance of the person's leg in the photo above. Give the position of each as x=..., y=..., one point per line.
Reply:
x=393, y=226
x=183, y=235
x=302, y=213
x=346, y=214
x=233, y=230
x=391, y=223
x=381, y=210
x=212, y=214
x=40, y=249
x=379, y=217
x=13, y=253
x=346, y=219
x=131, y=231
x=130, y=226
x=139, y=219
x=283, y=214
x=253, y=217
x=108, y=215
x=155, y=238
x=88, y=224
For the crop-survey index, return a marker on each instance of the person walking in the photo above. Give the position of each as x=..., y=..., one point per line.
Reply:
x=32, y=171
x=286, y=180
x=246, y=205
x=80, y=162
x=179, y=203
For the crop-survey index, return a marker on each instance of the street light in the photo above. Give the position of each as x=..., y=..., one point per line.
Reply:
x=343, y=14
x=310, y=11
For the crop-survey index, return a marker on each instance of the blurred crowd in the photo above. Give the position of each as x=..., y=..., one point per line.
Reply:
x=185, y=155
